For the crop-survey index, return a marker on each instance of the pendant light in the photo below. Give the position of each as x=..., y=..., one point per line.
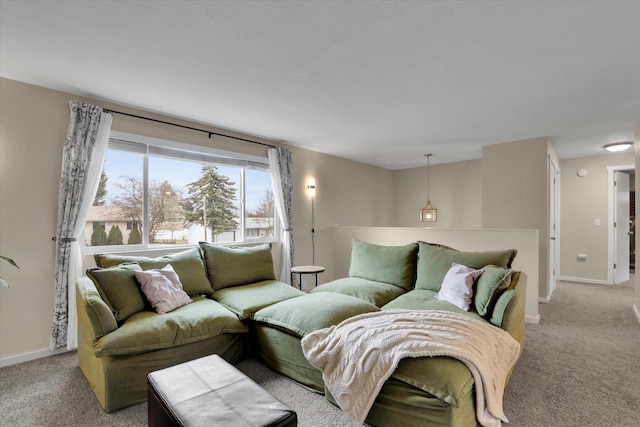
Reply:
x=428, y=213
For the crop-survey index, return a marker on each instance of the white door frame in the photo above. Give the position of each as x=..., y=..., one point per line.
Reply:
x=611, y=211
x=553, y=267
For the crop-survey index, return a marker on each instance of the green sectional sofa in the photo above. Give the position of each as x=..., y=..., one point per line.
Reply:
x=242, y=311
x=121, y=338
x=426, y=391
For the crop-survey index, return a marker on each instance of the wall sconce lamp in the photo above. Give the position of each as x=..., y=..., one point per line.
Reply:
x=428, y=213
x=311, y=189
x=618, y=146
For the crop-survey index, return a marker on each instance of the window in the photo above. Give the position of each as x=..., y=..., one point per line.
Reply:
x=156, y=193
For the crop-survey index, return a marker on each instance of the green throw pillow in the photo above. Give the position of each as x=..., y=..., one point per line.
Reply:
x=187, y=264
x=435, y=260
x=501, y=305
x=234, y=266
x=489, y=286
x=395, y=265
x=504, y=299
x=119, y=289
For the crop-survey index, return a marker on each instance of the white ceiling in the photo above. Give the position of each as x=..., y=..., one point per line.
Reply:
x=381, y=82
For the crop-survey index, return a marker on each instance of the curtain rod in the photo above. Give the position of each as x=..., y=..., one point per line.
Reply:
x=210, y=133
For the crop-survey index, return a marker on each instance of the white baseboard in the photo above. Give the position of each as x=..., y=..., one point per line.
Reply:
x=581, y=280
x=13, y=360
x=532, y=319
x=636, y=311
x=546, y=300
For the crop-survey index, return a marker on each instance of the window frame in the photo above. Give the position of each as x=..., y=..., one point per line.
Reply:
x=182, y=151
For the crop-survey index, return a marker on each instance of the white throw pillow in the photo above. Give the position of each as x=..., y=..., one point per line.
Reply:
x=163, y=289
x=457, y=286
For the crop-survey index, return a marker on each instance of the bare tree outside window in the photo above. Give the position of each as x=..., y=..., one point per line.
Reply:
x=263, y=215
x=164, y=208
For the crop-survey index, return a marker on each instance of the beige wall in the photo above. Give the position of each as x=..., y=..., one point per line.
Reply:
x=515, y=191
x=455, y=190
x=585, y=199
x=32, y=131
x=33, y=126
x=347, y=193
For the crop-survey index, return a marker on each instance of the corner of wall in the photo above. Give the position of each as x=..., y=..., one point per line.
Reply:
x=511, y=170
x=637, y=155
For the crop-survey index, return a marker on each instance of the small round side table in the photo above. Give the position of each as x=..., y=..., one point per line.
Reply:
x=306, y=269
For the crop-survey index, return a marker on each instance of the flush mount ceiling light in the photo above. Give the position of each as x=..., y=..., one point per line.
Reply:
x=619, y=146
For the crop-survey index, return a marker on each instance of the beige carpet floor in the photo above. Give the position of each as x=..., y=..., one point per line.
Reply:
x=580, y=367
x=581, y=364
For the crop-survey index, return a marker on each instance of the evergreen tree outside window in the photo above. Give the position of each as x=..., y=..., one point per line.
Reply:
x=211, y=202
x=115, y=236
x=99, y=236
x=135, y=238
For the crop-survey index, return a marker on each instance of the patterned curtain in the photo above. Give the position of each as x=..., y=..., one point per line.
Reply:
x=82, y=160
x=281, y=166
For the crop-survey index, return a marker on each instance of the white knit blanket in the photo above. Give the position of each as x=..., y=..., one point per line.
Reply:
x=358, y=355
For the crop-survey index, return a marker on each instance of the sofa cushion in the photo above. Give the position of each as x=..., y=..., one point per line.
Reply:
x=247, y=299
x=444, y=377
x=162, y=288
x=188, y=265
x=311, y=312
x=457, y=286
x=234, y=266
x=434, y=261
x=98, y=312
x=388, y=264
x=503, y=300
x=118, y=287
x=489, y=286
x=422, y=299
x=377, y=293
x=147, y=330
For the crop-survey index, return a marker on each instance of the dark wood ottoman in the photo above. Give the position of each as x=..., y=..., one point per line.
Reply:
x=211, y=392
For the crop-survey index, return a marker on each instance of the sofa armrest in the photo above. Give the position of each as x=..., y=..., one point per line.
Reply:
x=95, y=318
x=509, y=311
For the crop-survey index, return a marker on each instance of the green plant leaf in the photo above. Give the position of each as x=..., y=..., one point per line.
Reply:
x=10, y=261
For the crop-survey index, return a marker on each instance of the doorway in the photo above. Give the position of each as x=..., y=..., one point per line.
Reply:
x=621, y=223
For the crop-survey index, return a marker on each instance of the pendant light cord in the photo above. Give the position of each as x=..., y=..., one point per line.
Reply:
x=428, y=194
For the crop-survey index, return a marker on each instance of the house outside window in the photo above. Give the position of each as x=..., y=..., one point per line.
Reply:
x=156, y=193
